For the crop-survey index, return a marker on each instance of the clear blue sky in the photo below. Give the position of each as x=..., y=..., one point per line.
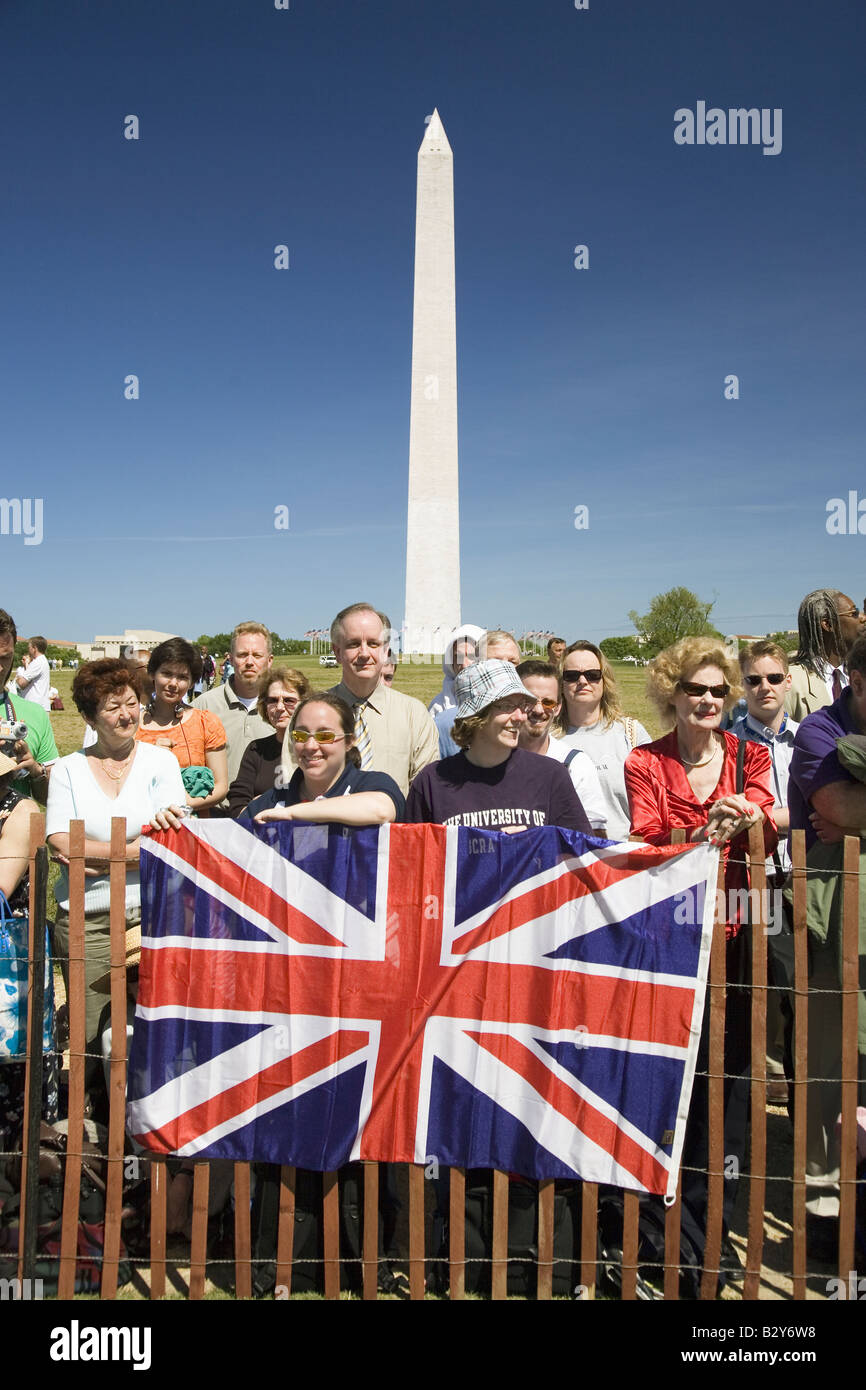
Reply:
x=260, y=388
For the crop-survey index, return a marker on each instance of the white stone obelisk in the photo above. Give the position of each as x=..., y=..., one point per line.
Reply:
x=433, y=529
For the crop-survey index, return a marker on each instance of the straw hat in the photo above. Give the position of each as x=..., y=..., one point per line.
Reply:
x=133, y=956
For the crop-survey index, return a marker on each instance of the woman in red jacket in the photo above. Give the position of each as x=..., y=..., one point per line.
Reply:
x=688, y=780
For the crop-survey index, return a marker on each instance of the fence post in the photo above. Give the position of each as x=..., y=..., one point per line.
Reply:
x=716, y=1098
x=34, y=1064
x=801, y=1062
x=77, y=1062
x=117, y=1063
x=758, y=1159
x=850, y=991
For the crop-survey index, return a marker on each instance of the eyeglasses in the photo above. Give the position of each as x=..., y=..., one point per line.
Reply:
x=288, y=700
x=592, y=676
x=774, y=678
x=508, y=705
x=852, y=613
x=718, y=692
x=320, y=736
x=547, y=705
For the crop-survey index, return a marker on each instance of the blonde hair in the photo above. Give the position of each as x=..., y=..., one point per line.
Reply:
x=465, y=730
x=755, y=650
x=679, y=662
x=250, y=627
x=610, y=710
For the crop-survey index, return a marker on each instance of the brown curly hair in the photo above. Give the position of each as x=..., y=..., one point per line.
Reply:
x=679, y=663
x=96, y=680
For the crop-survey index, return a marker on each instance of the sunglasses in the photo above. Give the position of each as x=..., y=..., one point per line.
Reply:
x=592, y=677
x=548, y=705
x=718, y=692
x=320, y=736
x=774, y=678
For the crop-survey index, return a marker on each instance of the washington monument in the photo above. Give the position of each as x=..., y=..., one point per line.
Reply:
x=433, y=529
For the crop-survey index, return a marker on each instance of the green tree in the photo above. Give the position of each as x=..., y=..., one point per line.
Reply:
x=618, y=648
x=786, y=640
x=678, y=613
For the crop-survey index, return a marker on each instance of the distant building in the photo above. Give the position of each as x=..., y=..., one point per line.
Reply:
x=135, y=643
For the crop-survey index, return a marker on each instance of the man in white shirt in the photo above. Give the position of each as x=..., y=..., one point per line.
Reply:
x=542, y=680
x=33, y=677
x=828, y=624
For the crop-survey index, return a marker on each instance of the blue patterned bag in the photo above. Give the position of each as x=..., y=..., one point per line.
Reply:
x=14, y=932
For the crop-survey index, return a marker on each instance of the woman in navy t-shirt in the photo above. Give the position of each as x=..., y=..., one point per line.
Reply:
x=328, y=785
x=492, y=784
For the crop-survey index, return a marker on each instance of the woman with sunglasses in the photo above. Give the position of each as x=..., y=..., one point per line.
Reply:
x=281, y=690
x=592, y=720
x=688, y=780
x=328, y=784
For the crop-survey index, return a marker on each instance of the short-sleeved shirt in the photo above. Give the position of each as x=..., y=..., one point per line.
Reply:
x=609, y=745
x=525, y=790
x=153, y=782
x=34, y=681
x=40, y=737
x=585, y=779
x=200, y=733
x=815, y=763
x=352, y=780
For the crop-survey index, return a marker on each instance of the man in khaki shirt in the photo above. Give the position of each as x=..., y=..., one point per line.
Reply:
x=235, y=702
x=393, y=732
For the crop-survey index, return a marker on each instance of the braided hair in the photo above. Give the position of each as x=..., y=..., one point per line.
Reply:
x=814, y=639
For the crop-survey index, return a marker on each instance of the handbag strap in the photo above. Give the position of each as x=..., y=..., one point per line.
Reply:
x=741, y=760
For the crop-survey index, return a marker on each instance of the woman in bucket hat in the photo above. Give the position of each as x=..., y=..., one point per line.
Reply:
x=491, y=784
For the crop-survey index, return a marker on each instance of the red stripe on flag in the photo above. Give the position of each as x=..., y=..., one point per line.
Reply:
x=602, y=1131
x=580, y=882
x=206, y=862
x=229, y=1104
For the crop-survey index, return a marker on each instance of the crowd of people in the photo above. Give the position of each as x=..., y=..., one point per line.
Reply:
x=505, y=745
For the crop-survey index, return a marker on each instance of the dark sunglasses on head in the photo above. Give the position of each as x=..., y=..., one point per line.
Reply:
x=775, y=678
x=593, y=676
x=718, y=692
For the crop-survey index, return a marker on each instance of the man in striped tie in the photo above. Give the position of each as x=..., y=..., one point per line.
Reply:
x=393, y=732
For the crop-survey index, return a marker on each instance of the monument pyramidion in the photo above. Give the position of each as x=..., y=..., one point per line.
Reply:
x=433, y=529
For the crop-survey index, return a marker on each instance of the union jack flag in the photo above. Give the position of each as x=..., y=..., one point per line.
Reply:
x=312, y=995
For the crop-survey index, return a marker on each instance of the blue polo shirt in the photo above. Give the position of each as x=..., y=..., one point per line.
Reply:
x=815, y=763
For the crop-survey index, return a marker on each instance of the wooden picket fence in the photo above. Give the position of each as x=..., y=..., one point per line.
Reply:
x=586, y=1258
